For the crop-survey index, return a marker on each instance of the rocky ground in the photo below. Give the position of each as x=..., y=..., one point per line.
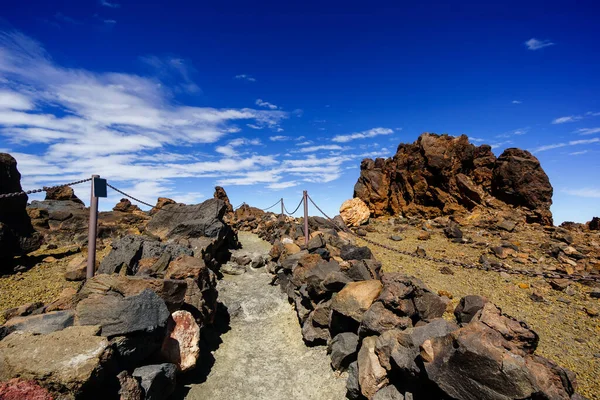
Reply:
x=567, y=321
x=262, y=355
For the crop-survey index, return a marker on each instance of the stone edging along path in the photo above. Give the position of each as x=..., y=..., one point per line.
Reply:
x=396, y=338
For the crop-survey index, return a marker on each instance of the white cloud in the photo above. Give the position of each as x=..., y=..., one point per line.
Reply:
x=588, y=131
x=565, y=144
x=578, y=153
x=362, y=135
x=279, y=138
x=584, y=192
x=105, y=3
x=312, y=149
x=305, y=143
x=229, y=149
x=476, y=140
x=266, y=104
x=535, y=44
x=283, y=185
x=245, y=77
x=516, y=101
x=254, y=126
x=570, y=118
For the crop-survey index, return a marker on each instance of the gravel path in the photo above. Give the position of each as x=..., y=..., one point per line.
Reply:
x=263, y=356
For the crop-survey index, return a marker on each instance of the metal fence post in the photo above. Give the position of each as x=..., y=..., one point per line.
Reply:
x=282, y=206
x=305, y=195
x=93, y=227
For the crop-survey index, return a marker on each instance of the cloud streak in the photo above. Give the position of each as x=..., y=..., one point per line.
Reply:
x=363, y=135
x=536, y=44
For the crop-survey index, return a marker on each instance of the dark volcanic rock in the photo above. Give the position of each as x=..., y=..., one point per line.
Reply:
x=468, y=307
x=39, y=324
x=158, y=381
x=222, y=195
x=594, y=224
x=519, y=179
x=343, y=349
x=17, y=236
x=350, y=252
x=144, y=312
x=441, y=175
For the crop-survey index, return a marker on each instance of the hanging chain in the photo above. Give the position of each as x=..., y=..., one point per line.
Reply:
x=43, y=189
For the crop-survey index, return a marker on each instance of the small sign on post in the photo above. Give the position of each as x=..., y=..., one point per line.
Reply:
x=98, y=190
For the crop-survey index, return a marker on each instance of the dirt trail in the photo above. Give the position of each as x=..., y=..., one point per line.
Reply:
x=262, y=355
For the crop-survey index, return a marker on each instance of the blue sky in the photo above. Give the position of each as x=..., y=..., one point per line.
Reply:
x=268, y=99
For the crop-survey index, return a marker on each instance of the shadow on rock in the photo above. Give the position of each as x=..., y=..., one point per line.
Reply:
x=210, y=340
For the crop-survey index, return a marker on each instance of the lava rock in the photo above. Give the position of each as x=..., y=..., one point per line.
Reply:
x=343, y=349
x=350, y=252
x=158, y=381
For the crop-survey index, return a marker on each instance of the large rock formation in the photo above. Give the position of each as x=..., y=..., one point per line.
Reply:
x=17, y=236
x=441, y=175
x=62, y=193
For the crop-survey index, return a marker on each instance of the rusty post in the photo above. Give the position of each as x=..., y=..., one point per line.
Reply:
x=305, y=196
x=93, y=226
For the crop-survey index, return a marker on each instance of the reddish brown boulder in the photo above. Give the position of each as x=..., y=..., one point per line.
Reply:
x=181, y=345
x=125, y=206
x=62, y=193
x=18, y=389
x=442, y=175
x=162, y=201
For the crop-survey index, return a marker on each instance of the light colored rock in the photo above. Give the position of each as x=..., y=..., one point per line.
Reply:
x=356, y=298
x=66, y=359
x=76, y=268
x=354, y=212
x=371, y=375
x=181, y=346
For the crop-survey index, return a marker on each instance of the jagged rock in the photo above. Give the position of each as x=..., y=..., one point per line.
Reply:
x=378, y=319
x=172, y=292
x=316, y=242
x=125, y=206
x=594, y=224
x=145, y=312
x=181, y=345
x=441, y=175
x=56, y=358
x=354, y=212
x=517, y=333
x=452, y=231
x=468, y=307
x=350, y=252
x=19, y=389
x=76, y=269
x=389, y=392
x=352, y=384
x=129, y=250
x=356, y=298
x=62, y=193
x=371, y=375
x=222, y=195
x=158, y=381
x=519, y=179
x=343, y=349
x=130, y=388
x=160, y=203
x=506, y=225
x=321, y=313
x=39, y=324
x=17, y=236
x=473, y=363
x=312, y=333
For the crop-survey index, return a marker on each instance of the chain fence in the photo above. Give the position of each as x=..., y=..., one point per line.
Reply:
x=293, y=212
x=43, y=189
x=482, y=267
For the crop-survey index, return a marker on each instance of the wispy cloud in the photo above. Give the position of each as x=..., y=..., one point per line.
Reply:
x=565, y=144
x=584, y=192
x=229, y=149
x=105, y=3
x=266, y=104
x=516, y=101
x=362, y=135
x=574, y=118
x=569, y=118
x=312, y=149
x=283, y=185
x=578, y=153
x=279, y=138
x=536, y=44
x=584, y=131
x=245, y=77
x=174, y=71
